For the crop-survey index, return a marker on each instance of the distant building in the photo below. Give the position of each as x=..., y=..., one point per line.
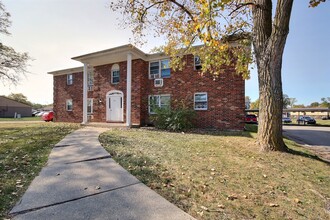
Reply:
x=9, y=108
x=313, y=112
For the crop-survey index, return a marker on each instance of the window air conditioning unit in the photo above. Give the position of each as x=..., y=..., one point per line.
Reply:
x=158, y=82
x=154, y=76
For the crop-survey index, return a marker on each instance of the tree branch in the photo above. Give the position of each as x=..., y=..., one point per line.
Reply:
x=183, y=8
x=147, y=8
x=239, y=6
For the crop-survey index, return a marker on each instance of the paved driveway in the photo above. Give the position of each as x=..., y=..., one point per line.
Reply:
x=313, y=137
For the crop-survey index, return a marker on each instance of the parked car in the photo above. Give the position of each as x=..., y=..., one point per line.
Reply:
x=251, y=119
x=48, y=116
x=286, y=120
x=325, y=117
x=34, y=113
x=306, y=120
x=39, y=114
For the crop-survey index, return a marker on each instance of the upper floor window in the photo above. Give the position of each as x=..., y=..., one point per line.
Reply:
x=89, y=106
x=115, y=74
x=158, y=101
x=200, y=101
x=69, y=79
x=197, y=62
x=159, y=69
x=90, y=80
x=69, y=105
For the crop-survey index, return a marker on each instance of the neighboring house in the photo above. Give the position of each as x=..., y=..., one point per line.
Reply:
x=123, y=84
x=47, y=108
x=316, y=113
x=10, y=108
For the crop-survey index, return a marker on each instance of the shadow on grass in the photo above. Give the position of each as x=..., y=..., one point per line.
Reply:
x=307, y=155
x=206, y=131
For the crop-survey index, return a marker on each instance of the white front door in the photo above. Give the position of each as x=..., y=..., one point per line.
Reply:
x=115, y=107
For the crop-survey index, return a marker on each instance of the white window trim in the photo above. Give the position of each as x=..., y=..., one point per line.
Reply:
x=112, y=82
x=207, y=101
x=66, y=105
x=195, y=62
x=91, y=101
x=159, y=103
x=67, y=79
x=112, y=71
x=160, y=68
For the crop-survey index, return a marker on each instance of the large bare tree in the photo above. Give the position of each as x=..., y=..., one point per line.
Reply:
x=13, y=64
x=216, y=24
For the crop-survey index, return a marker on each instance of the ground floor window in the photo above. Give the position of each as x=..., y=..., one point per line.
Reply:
x=200, y=101
x=158, y=101
x=69, y=104
x=89, y=106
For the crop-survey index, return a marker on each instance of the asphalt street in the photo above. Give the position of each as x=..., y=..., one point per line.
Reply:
x=319, y=136
x=315, y=138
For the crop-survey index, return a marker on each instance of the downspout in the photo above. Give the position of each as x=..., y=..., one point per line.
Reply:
x=129, y=90
x=85, y=120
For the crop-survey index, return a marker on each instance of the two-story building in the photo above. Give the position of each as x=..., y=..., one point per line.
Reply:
x=122, y=84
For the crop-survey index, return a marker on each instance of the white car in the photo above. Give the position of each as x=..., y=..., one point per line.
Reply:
x=40, y=114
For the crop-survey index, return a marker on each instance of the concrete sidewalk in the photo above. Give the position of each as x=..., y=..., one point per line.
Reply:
x=81, y=181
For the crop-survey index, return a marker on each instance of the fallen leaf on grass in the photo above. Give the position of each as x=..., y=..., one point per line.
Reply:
x=221, y=206
x=232, y=197
x=205, y=208
x=273, y=205
x=297, y=200
x=200, y=213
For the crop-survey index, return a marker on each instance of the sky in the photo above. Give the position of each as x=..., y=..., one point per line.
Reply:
x=54, y=31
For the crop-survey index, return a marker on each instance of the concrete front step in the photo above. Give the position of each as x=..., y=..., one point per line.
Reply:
x=105, y=125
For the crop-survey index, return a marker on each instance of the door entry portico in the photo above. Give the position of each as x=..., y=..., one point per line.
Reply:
x=114, y=106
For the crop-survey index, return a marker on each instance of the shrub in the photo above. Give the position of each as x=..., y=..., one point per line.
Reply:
x=178, y=119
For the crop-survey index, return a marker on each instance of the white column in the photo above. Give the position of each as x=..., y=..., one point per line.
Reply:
x=129, y=90
x=85, y=94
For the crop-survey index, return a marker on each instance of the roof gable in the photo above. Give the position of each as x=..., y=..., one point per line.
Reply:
x=4, y=101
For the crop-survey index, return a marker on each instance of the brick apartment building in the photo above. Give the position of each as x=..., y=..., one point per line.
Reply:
x=122, y=84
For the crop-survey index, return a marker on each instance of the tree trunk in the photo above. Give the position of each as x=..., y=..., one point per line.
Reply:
x=269, y=39
x=270, y=108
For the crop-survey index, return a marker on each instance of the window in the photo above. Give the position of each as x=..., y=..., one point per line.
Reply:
x=158, y=101
x=89, y=106
x=69, y=79
x=165, y=68
x=90, y=80
x=115, y=74
x=200, y=101
x=159, y=69
x=69, y=104
x=154, y=70
x=197, y=62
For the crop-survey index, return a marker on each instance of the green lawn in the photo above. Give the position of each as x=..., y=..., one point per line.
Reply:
x=22, y=119
x=224, y=175
x=24, y=149
x=323, y=122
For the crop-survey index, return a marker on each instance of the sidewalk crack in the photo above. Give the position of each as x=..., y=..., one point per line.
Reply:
x=70, y=200
x=91, y=159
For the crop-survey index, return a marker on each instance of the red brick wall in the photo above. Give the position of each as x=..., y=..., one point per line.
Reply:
x=62, y=92
x=226, y=101
x=225, y=94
